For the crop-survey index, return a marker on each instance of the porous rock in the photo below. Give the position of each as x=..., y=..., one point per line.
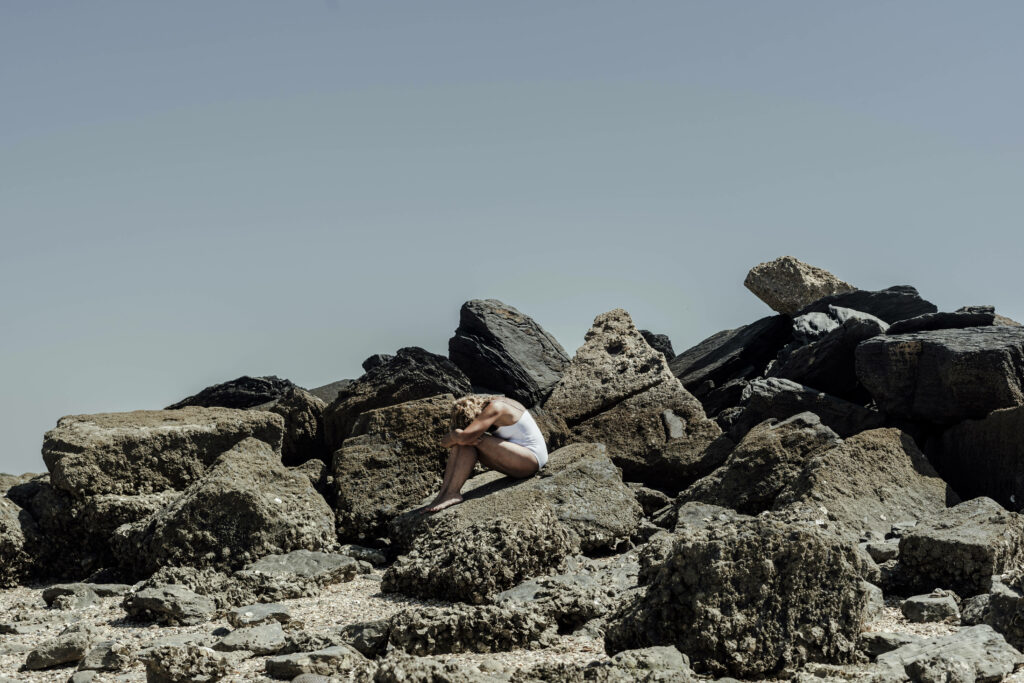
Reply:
x=15, y=561
x=108, y=655
x=303, y=415
x=244, y=392
x=506, y=351
x=661, y=664
x=169, y=604
x=788, y=284
x=891, y=305
x=67, y=647
x=934, y=606
x=337, y=659
x=189, y=663
x=470, y=628
x=976, y=653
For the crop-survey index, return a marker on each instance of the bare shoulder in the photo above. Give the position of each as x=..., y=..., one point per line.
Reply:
x=507, y=406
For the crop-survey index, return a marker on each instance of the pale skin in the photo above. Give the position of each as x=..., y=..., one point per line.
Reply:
x=466, y=446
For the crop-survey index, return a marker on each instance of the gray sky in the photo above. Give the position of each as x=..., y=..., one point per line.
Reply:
x=192, y=191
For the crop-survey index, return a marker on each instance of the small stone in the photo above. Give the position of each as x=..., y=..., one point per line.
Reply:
x=264, y=639
x=932, y=607
x=251, y=615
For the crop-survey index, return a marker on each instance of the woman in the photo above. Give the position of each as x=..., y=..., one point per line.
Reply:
x=516, y=447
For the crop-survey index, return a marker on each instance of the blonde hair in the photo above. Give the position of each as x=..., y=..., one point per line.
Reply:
x=465, y=409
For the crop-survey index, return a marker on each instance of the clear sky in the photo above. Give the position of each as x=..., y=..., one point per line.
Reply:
x=191, y=191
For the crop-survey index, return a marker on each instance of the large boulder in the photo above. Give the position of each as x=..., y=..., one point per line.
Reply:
x=303, y=415
x=960, y=548
x=393, y=460
x=788, y=284
x=891, y=305
x=15, y=562
x=620, y=392
x=411, y=374
x=747, y=599
x=971, y=654
x=147, y=451
x=944, y=376
x=501, y=349
x=247, y=505
x=244, y=392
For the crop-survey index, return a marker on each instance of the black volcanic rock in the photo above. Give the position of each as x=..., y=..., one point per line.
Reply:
x=659, y=342
x=971, y=316
x=244, y=392
x=506, y=351
x=895, y=303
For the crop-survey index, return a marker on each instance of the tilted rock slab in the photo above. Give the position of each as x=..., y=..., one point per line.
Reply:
x=303, y=415
x=470, y=628
x=944, y=376
x=788, y=284
x=891, y=305
x=620, y=392
x=148, y=451
x=247, y=505
x=969, y=316
x=506, y=351
x=244, y=392
x=749, y=599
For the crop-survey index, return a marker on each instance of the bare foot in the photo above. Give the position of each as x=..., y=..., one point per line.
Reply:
x=442, y=503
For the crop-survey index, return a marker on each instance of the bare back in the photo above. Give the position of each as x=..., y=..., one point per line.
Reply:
x=509, y=411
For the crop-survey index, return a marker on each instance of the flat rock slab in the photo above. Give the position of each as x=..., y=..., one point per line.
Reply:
x=976, y=653
x=261, y=639
x=891, y=305
x=974, y=316
x=244, y=392
x=252, y=615
x=333, y=660
x=171, y=604
x=70, y=596
x=930, y=607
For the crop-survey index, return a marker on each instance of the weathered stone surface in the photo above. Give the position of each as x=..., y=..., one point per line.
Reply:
x=261, y=639
x=1001, y=608
x=470, y=628
x=247, y=505
x=660, y=343
x=971, y=654
x=778, y=398
x=935, y=606
x=15, y=561
x=260, y=613
x=620, y=392
x=874, y=643
x=190, y=663
x=960, y=548
x=984, y=457
x=891, y=305
x=788, y=284
x=108, y=655
x=338, y=659
x=169, y=604
x=747, y=599
x=413, y=373
x=944, y=376
x=393, y=460
x=883, y=551
x=328, y=392
x=506, y=351
x=303, y=415
x=969, y=316
x=244, y=392
x=70, y=596
x=66, y=648
x=662, y=664
x=146, y=451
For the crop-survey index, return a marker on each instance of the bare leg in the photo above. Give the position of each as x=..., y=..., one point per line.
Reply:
x=460, y=464
x=507, y=457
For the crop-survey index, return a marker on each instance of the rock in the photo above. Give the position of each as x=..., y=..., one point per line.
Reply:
x=316, y=472
x=960, y=548
x=244, y=392
x=935, y=606
x=746, y=599
x=369, y=637
x=470, y=628
x=1001, y=608
x=620, y=392
x=108, y=655
x=944, y=376
x=303, y=415
x=661, y=664
x=976, y=653
x=984, y=457
x=148, y=451
x=778, y=398
x=969, y=316
x=189, y=663
x=170, y=604
x=393, y=460
x=882, y=551
x=742, y=353
x=333, y=660
x=412, y=374
x=261, y=613
x=67, y=648
x=501, y=349
x=787, y=284
x=891, y=305
x=651, y=500
x=260, y=639
x=874, y=643
x=399, y=667
x=245, y=506
x=70, y=596
x=813, y=326
x=15, y=561
x=372, y=555
x=77, y=677
x=660, y=343
x=328, y=392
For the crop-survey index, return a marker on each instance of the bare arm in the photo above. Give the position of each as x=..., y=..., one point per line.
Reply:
x=474, y=430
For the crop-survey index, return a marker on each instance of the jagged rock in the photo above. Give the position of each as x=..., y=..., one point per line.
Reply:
x=984, y=457
x=971, y=654
x=328, y=392
x=147, y=451
x=935, y=606
x=244, y=392
x=891, y=305
x=169, y=604
x=660, y=343
x=651, y=500
x=316, y=472
x=969, y=316
x=338, y=659
x=67, y=648
x=620, y=392
x=9, y=481
x=874, y=643
x=647, y=665
x=261, y=639
x=393, y=460
x=813, y=326
x=108, y=655
x=70, y=596
x=247, y=505
x=15, y=561
x=960, y=548
x=372, y=555
x=399, y=667
x=883, y=551
x=369, y=637
x=500, y=348
x=303, y=415
x=1001, y=608
x=788, y=284
x=742, y=353
x=190, y=663
x=260, y=613
x=944, y=376
x=413, y=373
x=747, y=599
x=470, y=628
x=778, y=398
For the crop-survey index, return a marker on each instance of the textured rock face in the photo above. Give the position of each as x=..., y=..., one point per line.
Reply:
x=972, y=654
x=170, y=604
x=393, y=460
x=891, y=305
x=303, y=415
x=190, y=663
x=244, y=392
x=328, y=392
x=246, y=506
x=944, y=376
x=984, y=457
x=960, y=548
x=646, y=665
x=620, y=392
x=660, y=343
x=969, y=316
x=14, y=560
x=501, y=349
x=747, y=599
x=147, y=451
x=411, y=374
x=67, y=647
x=788, y=284
x=470, y=628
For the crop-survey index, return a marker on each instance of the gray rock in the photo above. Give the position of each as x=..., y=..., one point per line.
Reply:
x=788, y=284
x=891, y=305
x=70, y=596
x=972, y=316
x=303, y=415
x=171, y=604
x=1001, y=608
x=260, y=613
x=651, y=500
x=333, y=660
x=944, y=376
x=935, y=606
x=962, y=547
x=244, y=392
x=882, y=551
x=66, y=648
x=874, y=643
x=662, y=664
x=506, y=351
x=813, y=326
x=15, y=561
x=372, y=555
x=190, y=663
x=369, y=637
x=108, y=655
x=976, y=653
x=470, y=628
x=660, y=343
x=80, y=676
x=260, y=639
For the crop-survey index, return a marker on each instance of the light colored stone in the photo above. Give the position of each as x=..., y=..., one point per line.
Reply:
x=788, y=284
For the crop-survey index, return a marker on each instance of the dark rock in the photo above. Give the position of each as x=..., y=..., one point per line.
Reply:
x=244, y=392
x=470, y=628
x=1001, y=608
x=190, y=663
x=882, y=552
x=962, y=547
x=500, y=348
x=15, y=561
x=376, y=360
x=70, y=596
x=303, y=415
x=328, y=392
x=891, y=305
x=67, y=648
x=874, y=643
x=969, y=316
x=723, y=398
x=976, y=653
x=260, y=639
x=651, y=500
x=660, y=343
x=935, y=606
x=374, y=556
x=260, y=613
x=647, y=665
x=369, y=637
x=170, y=604
x=108, y=655
x=413, y=373
x=338, y=659
x=944, y=376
